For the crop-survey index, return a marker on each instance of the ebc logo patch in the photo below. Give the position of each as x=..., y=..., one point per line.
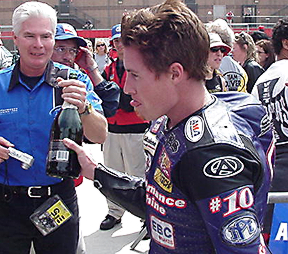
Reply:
x=223, y=167
x=194, y=129
x=162, y=233
x=241, y=230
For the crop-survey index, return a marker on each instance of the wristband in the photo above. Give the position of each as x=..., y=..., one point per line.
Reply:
x=91, y=69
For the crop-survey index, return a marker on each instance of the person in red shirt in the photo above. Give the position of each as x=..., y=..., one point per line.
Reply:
x=123, y=148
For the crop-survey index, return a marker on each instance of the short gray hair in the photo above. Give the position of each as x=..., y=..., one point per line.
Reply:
x=33, y=9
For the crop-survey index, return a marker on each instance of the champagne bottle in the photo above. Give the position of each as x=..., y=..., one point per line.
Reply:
x=61, y=161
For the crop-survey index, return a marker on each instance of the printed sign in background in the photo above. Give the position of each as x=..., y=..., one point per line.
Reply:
x=279, y=231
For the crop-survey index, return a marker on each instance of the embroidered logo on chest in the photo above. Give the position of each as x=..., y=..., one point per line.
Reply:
x=150, y=142
x=165, y=163
x=162, y=180
x=194, y=129
x=8, y=111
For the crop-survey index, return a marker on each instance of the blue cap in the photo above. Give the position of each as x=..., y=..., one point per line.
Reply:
x=116, y=32
x=65, y=31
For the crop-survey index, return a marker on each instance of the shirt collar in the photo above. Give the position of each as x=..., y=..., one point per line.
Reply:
x=50, y=77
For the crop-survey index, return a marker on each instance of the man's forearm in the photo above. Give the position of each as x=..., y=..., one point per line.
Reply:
x=109, y=92
x=94, y=74
x=95, y=127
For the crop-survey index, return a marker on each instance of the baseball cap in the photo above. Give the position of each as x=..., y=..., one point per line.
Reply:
x=116, y=31
x=65, y=31
x=215, y=41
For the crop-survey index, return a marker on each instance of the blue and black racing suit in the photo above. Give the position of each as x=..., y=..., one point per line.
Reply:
x=206, y=182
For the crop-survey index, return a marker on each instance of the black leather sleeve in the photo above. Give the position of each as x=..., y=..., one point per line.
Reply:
x=122, y=189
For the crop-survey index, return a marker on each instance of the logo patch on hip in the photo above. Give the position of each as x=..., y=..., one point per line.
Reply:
x=162, y=233
x=240, y=230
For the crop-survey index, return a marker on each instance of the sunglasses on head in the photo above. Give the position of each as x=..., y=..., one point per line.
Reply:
x=99, y=45
x=216, y=49
x=242, y=35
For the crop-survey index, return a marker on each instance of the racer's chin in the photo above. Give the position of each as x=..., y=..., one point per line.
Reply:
x=139, y=114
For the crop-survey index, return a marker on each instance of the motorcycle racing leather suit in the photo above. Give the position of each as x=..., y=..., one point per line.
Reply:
x=207, y=179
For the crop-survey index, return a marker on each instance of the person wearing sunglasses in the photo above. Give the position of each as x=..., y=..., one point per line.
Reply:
x=265, y=51
x=244, y=52
x=235, y=76
x=101, y=55
x=214, y=80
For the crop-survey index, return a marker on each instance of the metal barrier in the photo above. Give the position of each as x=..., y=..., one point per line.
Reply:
x=140, y=237
x=277, y=197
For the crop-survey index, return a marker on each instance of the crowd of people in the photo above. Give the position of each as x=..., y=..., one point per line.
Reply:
x=188, y=129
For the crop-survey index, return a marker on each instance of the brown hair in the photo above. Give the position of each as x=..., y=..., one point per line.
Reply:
x=168, y=33
x=267, y=47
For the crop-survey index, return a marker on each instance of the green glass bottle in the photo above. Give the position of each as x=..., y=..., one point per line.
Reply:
x=61, y=161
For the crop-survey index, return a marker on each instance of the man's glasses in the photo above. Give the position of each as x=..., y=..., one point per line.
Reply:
x=64, y=50
x=100, y=45
x=216, y=49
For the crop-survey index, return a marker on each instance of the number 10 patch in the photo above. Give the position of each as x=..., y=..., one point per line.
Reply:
x=236, y=201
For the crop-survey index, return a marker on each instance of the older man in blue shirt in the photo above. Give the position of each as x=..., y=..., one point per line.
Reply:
x=28, y=97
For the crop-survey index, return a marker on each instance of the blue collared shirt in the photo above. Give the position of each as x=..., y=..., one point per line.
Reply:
x=26, y=119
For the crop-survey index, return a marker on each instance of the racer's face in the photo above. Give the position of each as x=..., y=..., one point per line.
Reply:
x=35, y=43
x=151, y=97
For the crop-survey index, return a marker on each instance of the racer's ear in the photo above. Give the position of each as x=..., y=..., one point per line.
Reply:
x=176, y=71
